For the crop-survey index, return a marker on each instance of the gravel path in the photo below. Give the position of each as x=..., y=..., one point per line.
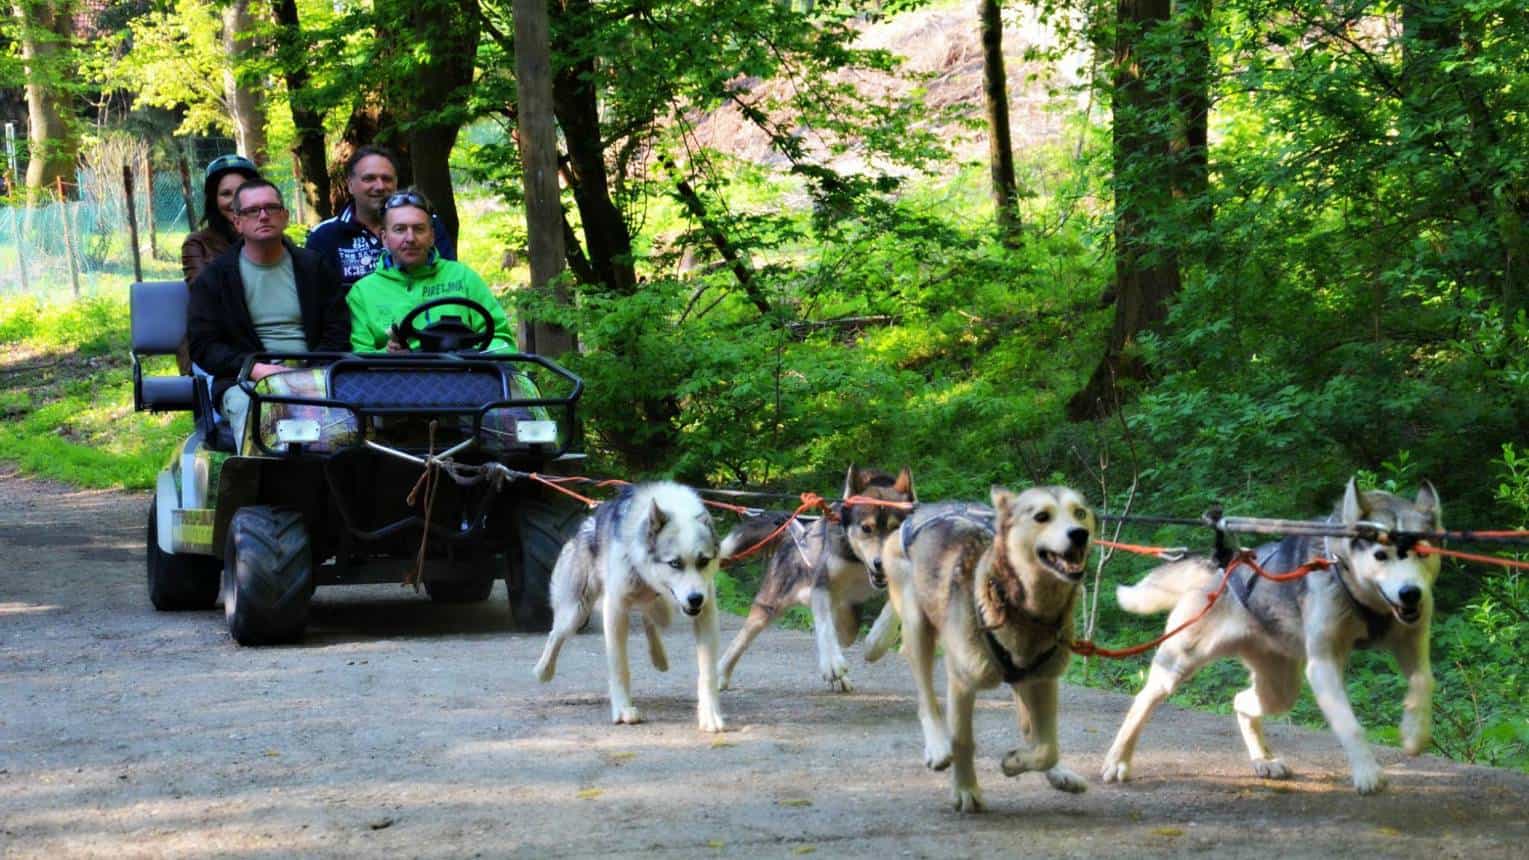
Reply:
x=404, y=729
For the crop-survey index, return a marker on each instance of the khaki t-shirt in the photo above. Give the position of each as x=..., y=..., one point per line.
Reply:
x=270, y=293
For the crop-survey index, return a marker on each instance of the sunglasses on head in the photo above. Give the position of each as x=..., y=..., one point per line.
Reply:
x=407, y=198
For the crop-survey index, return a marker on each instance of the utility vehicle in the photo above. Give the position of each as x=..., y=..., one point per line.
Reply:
x=328, y=485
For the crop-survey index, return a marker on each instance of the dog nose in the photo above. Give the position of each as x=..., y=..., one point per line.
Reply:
x=876, y=565
x=695, y=599
x=1078, y=537
x=1410, y=595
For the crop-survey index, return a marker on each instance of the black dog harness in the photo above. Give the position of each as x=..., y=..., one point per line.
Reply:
x=1013, y=674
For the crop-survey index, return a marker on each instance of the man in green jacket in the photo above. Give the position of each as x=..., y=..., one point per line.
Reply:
x=410, y=273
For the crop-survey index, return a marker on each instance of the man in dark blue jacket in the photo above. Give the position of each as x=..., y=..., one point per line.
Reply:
x=352, y=240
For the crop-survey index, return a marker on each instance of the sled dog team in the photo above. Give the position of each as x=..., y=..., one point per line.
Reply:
x=994, y=587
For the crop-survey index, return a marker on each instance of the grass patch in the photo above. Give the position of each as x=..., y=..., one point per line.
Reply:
x=67, y=403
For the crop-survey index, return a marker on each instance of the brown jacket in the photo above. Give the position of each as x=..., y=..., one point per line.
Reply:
x=199, y=249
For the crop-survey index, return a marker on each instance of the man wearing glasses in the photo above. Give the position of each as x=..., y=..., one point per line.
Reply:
x=410, y=272
x=352, y=239
x=264, y=295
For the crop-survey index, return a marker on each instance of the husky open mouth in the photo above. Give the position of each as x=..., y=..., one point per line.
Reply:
x=1068, y=564
x=1406, y=615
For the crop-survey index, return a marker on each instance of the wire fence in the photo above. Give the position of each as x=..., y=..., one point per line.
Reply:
x=123, y=217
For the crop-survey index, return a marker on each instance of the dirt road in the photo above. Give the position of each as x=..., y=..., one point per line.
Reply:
x=403, y=729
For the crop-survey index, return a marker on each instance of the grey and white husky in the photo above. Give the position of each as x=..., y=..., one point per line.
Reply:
x=1373, y=596
x=652, y=548
x=996, y=589
x=832, y=566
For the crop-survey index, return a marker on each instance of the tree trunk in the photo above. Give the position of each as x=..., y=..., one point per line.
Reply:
x=438, y=95
x=245, y=108
x=606, y=237
x=308, y=152
x=1191, y=150
x=537, y=138
x=995, y=88
x=1146, y=268
x=46, y=28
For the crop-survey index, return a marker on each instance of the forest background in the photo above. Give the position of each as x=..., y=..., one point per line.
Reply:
x=1171, y=253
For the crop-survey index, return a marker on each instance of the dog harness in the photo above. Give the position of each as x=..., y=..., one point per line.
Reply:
x=979, y=516
x=1242, y=583
x=1013, y=674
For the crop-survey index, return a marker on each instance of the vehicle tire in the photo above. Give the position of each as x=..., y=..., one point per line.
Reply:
x=179, y=581
x=267, y=576
x=544, y=524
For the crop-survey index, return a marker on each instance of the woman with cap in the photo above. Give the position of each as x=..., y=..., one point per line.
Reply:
x=224, y=176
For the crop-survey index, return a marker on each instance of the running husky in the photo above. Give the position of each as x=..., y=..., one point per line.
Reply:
x=996, y=588
x=832, y=566
x=651, y=548
x=1374, y=595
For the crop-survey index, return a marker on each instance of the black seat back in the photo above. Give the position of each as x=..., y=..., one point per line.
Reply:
x=158, y=313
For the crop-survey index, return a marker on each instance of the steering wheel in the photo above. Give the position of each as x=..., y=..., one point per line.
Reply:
x=447, y=334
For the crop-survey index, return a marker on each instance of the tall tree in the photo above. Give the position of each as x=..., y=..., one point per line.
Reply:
x=1146, y=263
x=995, y=91
x=434, y=99
x=607, y=236
x=308, y=152
x=245, y=108
x=537, y=135
x=45, y=30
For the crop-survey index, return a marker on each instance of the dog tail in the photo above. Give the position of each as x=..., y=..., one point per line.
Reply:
x=1161, y=588
x=753, y=530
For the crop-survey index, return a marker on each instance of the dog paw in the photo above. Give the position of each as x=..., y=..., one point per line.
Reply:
x=835, y=670
x=1271, y=768
x=1116, y=771
x=545, y=670
x=660, y=661
x=1369, y=779
x=1063, y=779
x=937, y=755
x=625, y=715
x=710, y=719
x=1417, y=733
x=725, y=682
x=967, y=799
x=841, y=685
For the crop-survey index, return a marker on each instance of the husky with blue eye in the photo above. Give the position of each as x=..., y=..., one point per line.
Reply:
x=653, y=549
x=1371, y=595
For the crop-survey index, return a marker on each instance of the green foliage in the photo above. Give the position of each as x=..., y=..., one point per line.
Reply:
x=72, y=417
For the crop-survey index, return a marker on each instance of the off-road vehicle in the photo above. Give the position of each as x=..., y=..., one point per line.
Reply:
x=327, y=486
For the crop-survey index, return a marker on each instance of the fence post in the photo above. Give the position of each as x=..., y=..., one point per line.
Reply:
x=132, y=219
x=148, y=205
x=74, y=269
x=10, y=190
x=186, y=193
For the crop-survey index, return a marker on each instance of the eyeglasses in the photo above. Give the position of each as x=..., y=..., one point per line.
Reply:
x=271, y=209
x=407, y=198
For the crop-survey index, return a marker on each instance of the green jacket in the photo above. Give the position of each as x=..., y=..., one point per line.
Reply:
x=383, y=298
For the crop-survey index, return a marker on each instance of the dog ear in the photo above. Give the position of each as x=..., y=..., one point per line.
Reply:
x=656, y=520
x=851, y=482
x=1003, y=500
x=904, y=484
x=1428, y=503
x=1353, y=508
